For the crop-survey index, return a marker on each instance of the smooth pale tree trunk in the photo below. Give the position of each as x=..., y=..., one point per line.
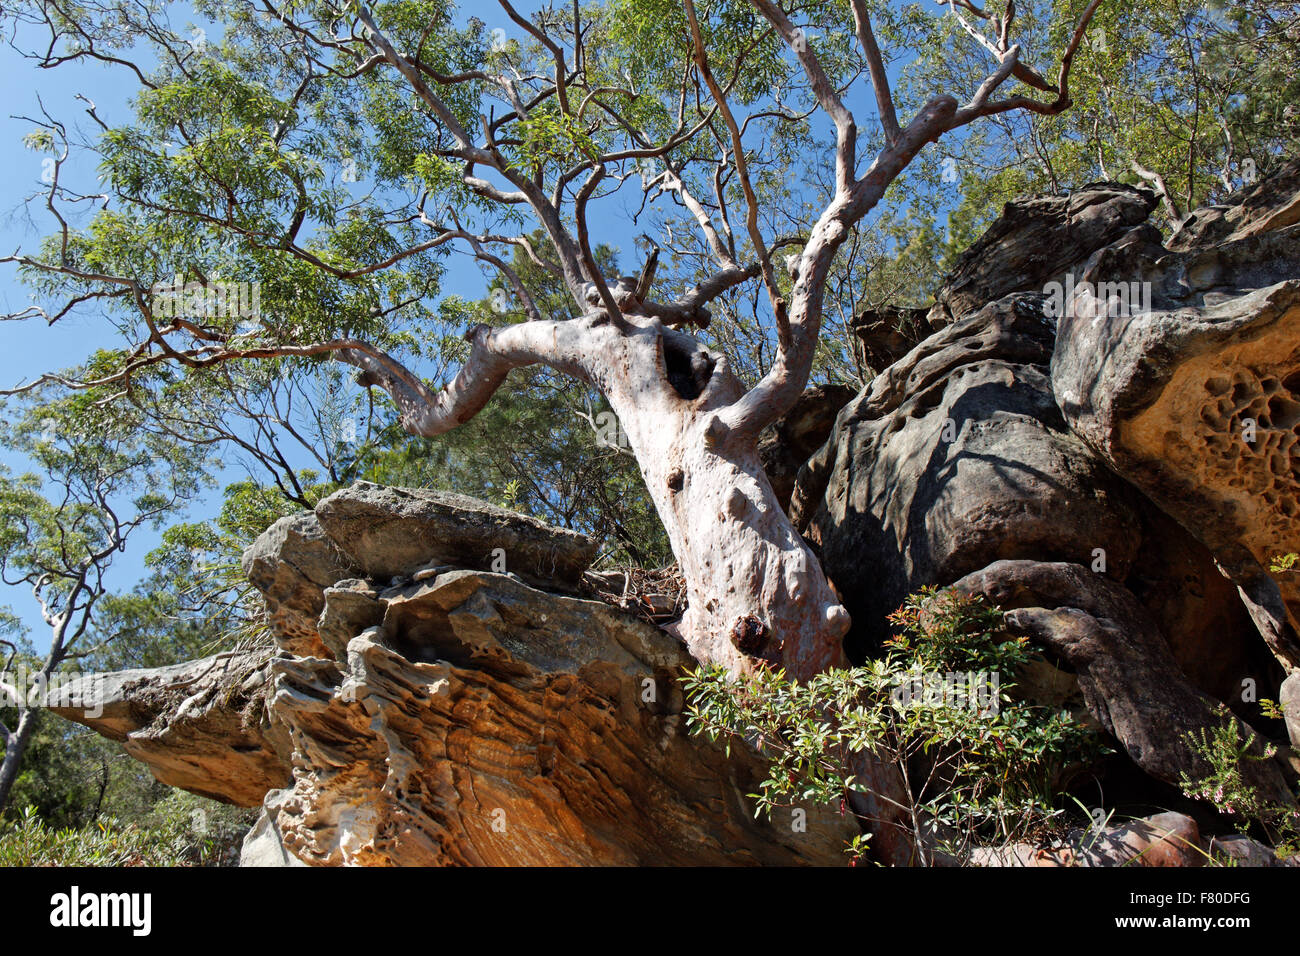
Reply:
x=755, y=590
x=15, y=747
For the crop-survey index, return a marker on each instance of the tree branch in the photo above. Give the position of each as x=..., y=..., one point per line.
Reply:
x=879, y=77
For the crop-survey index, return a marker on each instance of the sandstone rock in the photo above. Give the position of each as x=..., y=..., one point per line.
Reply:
x=351, y=606
x=262, y=846
x=1037, y=241
x=1166, y=839
x=892, y=507
x=201, y=726
x=490, y=723
x=291, y=563
x=391, y=532
x=478, y=721
x=787, y=443
x=1200, y=613
x=1238, y=850
x=1126, y=672
x=1272, y=203
x=952, y=458
x=1196, y=401
x=886, y=335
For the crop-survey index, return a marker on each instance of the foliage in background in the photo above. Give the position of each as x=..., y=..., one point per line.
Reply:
x=178, y=831
x=1193, y=100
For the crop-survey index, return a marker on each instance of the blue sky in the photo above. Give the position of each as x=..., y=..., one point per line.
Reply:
x=27, y=347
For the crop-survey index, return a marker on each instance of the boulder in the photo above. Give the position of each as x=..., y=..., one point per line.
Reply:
x=1239, y=850
x=202, y=726
x=886, y=335
x=1166, y=839
x=487, y=722
x=1272, y=203
x=788, y=442
x=461, y=716
x=1128, y=676
x=1037, y=241
x=954, y=457
x=291, y=563
x=1193, y=396
x=394, y=532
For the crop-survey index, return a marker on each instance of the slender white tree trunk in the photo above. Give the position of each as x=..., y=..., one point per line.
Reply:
x=15, y=747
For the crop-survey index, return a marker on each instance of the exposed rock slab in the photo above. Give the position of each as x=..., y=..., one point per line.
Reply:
x=1196, y=401
x=391, y=532
x=202, y=726
x=515, y=727
x=952, y=458
x=1129, y=679
x=291, y=563
x=470, y=719
x=1166, y=839
x=790, y=441
x=1036, y=241
x=1272, y=203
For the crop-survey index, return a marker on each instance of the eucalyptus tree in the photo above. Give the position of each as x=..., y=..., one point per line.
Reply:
x=96, y=480
x=542, y=446
x=242, y=162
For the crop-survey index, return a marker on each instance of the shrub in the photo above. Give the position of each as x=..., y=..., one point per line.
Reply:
x=29, y=842
x=1225, y=750
x=978, y=768
x=180, y=830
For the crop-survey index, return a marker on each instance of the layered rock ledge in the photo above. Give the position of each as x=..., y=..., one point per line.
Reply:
x=447, y=715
